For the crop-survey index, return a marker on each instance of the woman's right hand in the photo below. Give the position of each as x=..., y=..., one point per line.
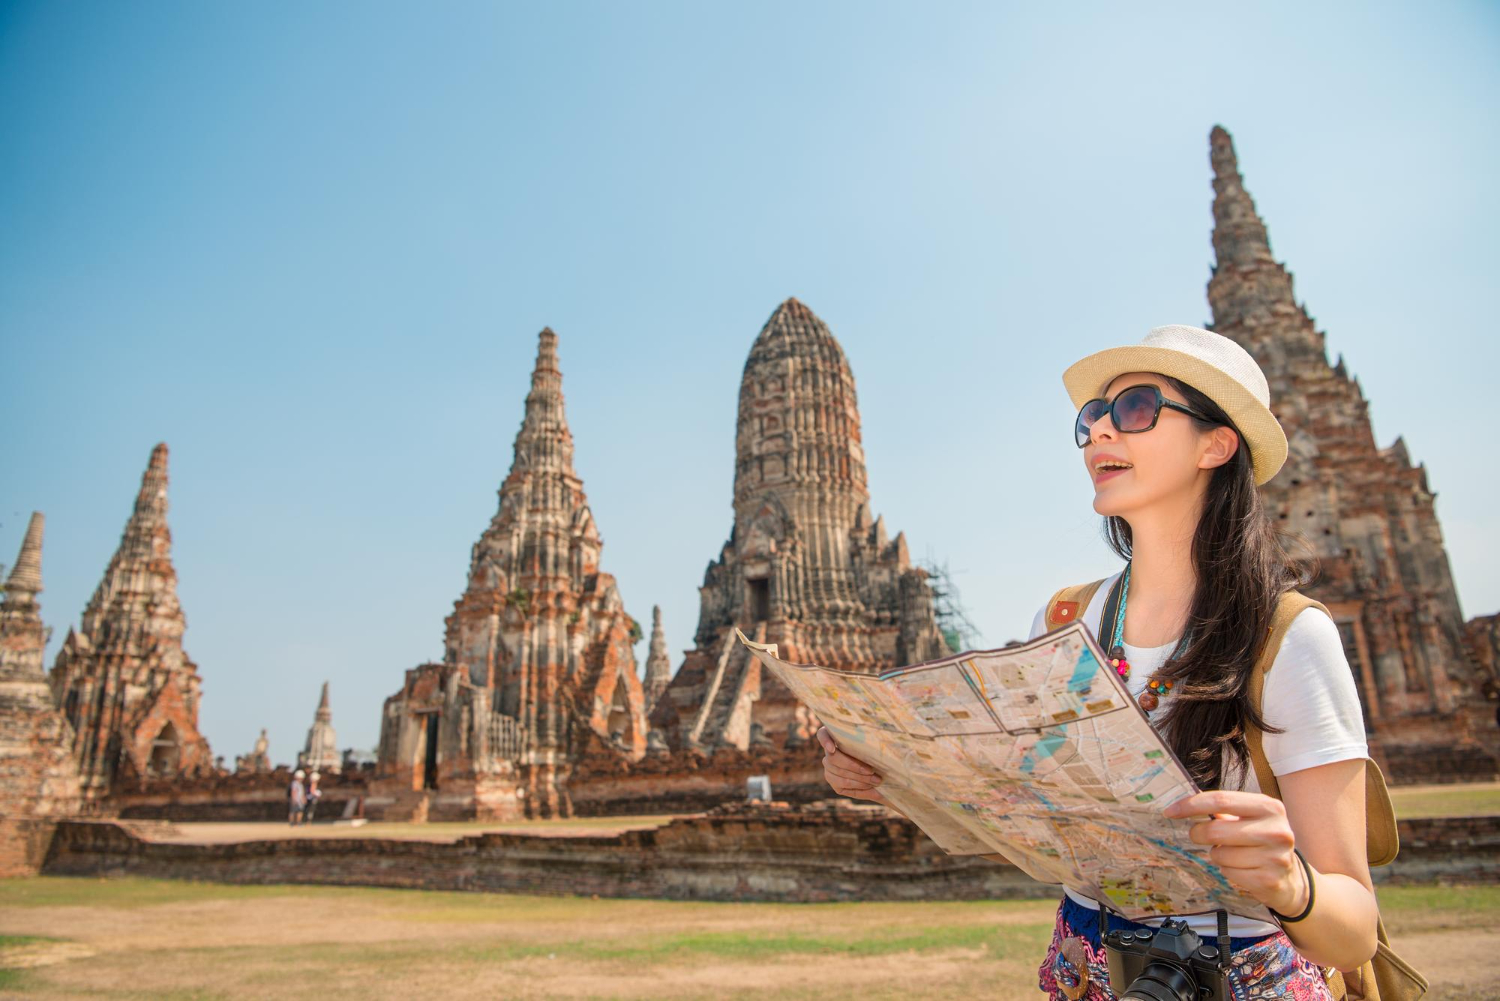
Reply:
x=848, y=776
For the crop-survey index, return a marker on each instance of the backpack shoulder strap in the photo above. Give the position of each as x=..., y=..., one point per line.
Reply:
x=1068, y=605
x=1381, y=838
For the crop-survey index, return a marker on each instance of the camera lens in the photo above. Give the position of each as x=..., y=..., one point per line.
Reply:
x=1161, y=982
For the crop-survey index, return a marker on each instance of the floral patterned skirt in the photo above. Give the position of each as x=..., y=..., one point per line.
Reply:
x=1263, y=968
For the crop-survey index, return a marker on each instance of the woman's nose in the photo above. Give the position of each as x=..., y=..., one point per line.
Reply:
x=1103, y=429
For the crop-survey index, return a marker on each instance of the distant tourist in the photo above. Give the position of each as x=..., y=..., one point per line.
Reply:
x=296, y=799
x=313, y=795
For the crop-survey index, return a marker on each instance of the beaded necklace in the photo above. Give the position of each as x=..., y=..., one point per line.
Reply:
x=1157, y=688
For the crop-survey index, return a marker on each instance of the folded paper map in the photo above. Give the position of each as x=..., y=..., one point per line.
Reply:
x=1036, y=752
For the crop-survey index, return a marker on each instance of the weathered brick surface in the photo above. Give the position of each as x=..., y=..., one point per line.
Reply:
x=807, y=565
x=320, y=752
x=844, y=853
x=231, y=797
x=1482, y=636
x=38, y=777
x=689, y=781
x=24, y=842
x=821, y=853
x=1446, y=849
x=1365, y=512
x=658, y=674
x=122, y=678
x=537, y=652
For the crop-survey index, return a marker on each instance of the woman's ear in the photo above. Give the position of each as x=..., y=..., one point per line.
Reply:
x=1219, y=446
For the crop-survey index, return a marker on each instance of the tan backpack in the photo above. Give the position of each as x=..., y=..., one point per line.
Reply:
x=1385, y=976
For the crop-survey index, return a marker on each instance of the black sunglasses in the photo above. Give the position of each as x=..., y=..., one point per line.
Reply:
x=1133, y=410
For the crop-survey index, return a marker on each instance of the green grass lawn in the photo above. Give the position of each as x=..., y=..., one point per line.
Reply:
x=138, y=938
x=1447, y=801
x=284, y=941
x=142, y=939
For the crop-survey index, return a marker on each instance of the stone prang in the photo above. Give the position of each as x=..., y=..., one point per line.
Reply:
x=320, y=752
x=1365, y=511
x=807, y=565
x=38, y=777
x=537, y=654
x=122, y=677
x=658, y=662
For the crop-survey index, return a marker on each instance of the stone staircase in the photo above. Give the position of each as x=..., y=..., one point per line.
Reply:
x=724, y=717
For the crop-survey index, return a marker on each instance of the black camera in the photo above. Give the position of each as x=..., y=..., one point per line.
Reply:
x=1169, y=963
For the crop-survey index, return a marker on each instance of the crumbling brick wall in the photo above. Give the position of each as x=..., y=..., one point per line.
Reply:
x=827, y=852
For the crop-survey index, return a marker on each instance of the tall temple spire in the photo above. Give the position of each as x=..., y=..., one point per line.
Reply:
x=1250, y=294
x=122, y=678
x=1365, y=512
x=798, y=424
x=658, y=661
x=537, y=653
x=544, y=441
x=20, y=614
x=807, y=565
x=320, y=751
x=1239, y=235
x=38, y=776
x=26, y=575
x=140, y=576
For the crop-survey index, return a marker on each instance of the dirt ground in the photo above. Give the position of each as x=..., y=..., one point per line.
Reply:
x=157, y=939
x=128, y=939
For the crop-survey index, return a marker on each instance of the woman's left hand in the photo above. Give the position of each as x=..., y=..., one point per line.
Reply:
x=1251, y=841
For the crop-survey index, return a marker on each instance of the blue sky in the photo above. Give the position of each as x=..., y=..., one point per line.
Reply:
x=310, y=247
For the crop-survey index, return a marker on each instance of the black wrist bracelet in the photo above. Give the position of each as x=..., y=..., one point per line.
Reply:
x=1307, y=873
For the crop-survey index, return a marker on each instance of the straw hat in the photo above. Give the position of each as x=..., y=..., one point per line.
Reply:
x=1212, y=364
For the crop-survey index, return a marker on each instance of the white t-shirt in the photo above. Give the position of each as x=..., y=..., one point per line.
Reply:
x=1309, y=695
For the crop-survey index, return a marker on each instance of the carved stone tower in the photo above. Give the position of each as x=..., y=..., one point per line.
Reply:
x=658, y=662
x=1366, y=511
x=537, y=650
x=122, y=678
x=321, y=750
x=807, y=565
x=38, y=777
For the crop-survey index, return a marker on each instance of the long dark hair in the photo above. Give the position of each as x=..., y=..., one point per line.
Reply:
x=1242, y=570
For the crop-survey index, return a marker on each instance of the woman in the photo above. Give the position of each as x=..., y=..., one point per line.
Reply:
x=1176, y=433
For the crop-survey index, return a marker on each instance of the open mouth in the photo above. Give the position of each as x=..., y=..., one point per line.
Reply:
x=1110, y=466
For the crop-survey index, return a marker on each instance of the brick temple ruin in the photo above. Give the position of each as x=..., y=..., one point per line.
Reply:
x=536, y=708
x=122, y=678
x=1365, y=511
x=537, y=652
x=807, y=565
x=320, y=751
x=658, y=662
x=38, y=776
